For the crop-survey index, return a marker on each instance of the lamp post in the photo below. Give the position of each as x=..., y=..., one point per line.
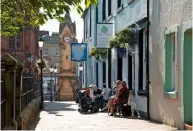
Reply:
x=51, y=95
x=41, y=42
x=55, y=71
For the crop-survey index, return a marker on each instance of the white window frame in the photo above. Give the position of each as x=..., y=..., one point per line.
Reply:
x=45, y=52
x=57, y=51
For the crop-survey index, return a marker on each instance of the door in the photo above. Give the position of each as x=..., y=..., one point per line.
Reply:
x=130, y=71
x=187, y=77
x=119, y=68
x=104, y=72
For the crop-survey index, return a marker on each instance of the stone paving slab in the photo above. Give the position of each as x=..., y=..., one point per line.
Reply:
x=64, y=116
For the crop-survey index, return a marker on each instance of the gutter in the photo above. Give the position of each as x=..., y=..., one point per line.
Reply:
x=147, y=63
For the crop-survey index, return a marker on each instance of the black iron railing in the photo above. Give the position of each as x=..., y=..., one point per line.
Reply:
x=30, y=89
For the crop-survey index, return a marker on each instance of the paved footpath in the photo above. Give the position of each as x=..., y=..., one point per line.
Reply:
x=64, y=116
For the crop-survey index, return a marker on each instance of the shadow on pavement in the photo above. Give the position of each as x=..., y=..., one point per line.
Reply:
x=58, y=106
x=55, y=107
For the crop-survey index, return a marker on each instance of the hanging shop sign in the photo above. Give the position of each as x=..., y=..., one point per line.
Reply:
x=104, y=33
x=79, y=52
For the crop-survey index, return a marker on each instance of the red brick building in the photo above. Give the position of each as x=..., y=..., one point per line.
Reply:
x=24, y=46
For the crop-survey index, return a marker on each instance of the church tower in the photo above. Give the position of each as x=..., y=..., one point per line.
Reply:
x=67, y=77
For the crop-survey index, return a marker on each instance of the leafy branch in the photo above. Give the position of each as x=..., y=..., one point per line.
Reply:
x=19, y=14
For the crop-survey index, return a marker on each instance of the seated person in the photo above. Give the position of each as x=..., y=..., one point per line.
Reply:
x=97, y=97
x=105, y=92
x=111, y=99
x=121, y=97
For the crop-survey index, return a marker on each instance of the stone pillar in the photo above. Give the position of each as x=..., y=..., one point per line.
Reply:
x=67, y=73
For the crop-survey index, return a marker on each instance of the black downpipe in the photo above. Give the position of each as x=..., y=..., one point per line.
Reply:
x=147, y=62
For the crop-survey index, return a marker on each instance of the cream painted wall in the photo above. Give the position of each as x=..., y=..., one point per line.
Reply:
x=163, y=15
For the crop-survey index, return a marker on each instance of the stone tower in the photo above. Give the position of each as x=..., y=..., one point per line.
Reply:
x=67, y=77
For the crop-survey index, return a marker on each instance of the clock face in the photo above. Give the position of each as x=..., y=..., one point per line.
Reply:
x=66, y=39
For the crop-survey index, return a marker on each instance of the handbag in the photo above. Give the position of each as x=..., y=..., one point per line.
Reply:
x=126, y=110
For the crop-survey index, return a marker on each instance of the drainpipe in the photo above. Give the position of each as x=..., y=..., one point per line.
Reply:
x=147, y=62
x=14, y=95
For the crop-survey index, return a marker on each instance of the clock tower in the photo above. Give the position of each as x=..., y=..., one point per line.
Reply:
x=67, y=77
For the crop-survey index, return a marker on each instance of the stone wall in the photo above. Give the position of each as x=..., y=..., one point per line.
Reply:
x=29, y=114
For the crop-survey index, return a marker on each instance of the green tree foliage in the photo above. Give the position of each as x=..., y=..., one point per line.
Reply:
x=18, y=14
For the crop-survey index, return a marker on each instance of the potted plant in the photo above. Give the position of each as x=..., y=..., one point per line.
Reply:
x=41, y=63
x=98, y=53
x=126, y=35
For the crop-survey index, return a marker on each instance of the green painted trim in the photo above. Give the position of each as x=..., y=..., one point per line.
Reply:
x=171, y=94
x=167, y=59
x=185, y=27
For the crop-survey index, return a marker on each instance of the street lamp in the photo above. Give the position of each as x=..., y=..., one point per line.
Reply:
x=51, y=71
x=41, y=42
x=55, y=71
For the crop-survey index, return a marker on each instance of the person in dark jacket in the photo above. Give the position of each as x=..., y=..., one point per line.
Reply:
x=97, y=97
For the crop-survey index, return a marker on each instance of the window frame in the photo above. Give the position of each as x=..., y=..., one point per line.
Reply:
x=57, y=50
x=104, y=10
x=90, y=31
x=18, y=40
x=109, y=8
x=170, y=92
x=119, y=6
x=13, y=40
x=44, y=51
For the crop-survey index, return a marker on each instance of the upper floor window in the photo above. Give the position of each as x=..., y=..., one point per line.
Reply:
x=170, y=48
x=12, y=42
x=104, y=10
x=86, y=28
x=57, y=51
x=109, y=7
x=90, y=19
x=119, y=3
x=45, y=52
x=18, y=40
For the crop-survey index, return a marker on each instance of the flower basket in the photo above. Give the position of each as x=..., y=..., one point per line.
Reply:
x=121, y=52
x=41, y=63
x=98, y=53
x=127, y=35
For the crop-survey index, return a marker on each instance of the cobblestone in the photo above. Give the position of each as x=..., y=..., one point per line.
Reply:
x=64, y=116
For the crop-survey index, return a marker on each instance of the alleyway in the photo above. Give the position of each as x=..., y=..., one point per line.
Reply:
x=64, y=116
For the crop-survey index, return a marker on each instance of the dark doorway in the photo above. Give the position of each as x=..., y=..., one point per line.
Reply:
x=119, y=68
x=140, y=73
x=104, y=72
x=97, y=74
x=130, y=71
x=109, y=68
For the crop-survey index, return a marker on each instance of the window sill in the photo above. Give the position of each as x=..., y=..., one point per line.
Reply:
x=171, y=94
x=142, y=93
